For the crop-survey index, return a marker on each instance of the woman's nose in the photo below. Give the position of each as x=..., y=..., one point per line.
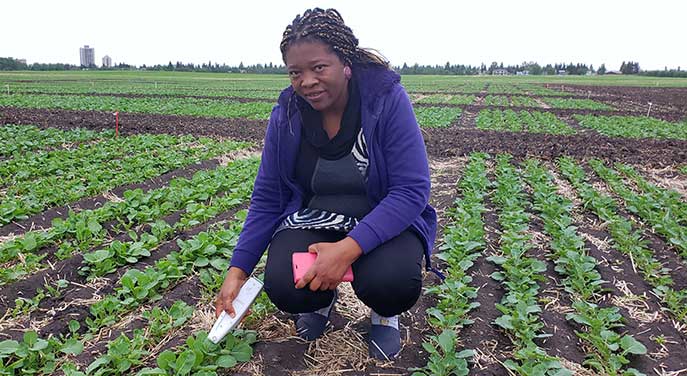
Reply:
x=308, y=80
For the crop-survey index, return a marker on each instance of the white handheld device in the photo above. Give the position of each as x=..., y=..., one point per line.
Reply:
x=247, y=295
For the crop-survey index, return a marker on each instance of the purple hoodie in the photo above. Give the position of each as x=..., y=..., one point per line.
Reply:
x=398, y=184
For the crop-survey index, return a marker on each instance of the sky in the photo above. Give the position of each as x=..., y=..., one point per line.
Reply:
x=151, y=32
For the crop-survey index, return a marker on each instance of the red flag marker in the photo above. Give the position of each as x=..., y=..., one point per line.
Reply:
x=116, y=124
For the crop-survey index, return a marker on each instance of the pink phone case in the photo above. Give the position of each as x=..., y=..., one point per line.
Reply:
x=302, y=261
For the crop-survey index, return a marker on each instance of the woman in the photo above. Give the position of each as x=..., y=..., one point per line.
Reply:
x=344, y=174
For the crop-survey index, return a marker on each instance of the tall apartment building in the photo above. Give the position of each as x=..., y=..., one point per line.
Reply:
x=107, y=62
x=87, y=56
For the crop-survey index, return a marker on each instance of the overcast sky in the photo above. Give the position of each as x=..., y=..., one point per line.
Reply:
x=138, y=32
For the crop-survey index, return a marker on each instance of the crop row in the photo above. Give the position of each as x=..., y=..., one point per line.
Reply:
x=17, y=139
x=520, y=275
x=106, y=260
x=463, y=242
x=444, y=84
x=504, y=88
x=125, y=354
x=522, y=121
x=633, y=126
x=222, y=108
x=32, y=196
x=445, y=99
x=435, y=117
x=659, y=209
x=496, y=100
x=627, y=240
x=69, y=163
x=142, y=84
x=540, y=90
x=206, y=254
x=519, y=101
x=583, y=104
x=581, y=280
x=152, y=88
x=86, y=229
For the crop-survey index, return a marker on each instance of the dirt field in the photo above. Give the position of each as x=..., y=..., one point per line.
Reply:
x=343, y=350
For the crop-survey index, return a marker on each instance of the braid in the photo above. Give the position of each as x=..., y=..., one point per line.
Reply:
x=327, y=26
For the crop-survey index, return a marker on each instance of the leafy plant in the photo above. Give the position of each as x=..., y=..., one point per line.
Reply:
x=633, y=126
x=444, y=360
x=199, y=356
x=35, y=355
x=437, y=117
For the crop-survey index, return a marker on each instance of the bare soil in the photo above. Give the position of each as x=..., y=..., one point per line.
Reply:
x=447, y=148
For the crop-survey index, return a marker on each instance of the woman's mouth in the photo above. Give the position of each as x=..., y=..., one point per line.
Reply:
x=314, y=95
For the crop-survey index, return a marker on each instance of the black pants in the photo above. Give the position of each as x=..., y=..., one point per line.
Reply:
x=388, y=279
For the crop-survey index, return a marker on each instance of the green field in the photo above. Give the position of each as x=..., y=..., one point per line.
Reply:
x=563, y=234
x=260, y=81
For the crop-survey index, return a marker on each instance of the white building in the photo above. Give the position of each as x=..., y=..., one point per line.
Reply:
x=87, y=56
x=107, y=62
x=500, y=72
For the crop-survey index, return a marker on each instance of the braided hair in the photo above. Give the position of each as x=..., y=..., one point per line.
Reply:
x=327, y=26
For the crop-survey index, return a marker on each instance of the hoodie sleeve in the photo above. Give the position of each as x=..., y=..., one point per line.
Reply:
x=265, y=206
x=405, y=157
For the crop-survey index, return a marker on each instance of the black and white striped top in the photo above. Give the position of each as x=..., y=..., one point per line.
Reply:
x=339, y=198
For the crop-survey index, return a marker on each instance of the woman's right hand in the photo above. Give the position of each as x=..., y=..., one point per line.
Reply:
x=230, y=289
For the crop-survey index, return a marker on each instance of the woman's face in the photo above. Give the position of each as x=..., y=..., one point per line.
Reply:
x=317, y=75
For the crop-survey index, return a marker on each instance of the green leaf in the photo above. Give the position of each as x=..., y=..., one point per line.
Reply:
x=30, y=338
x=151, y=372
x=201, y=262
x=220, y=263
x=166, y=358
x=226, y=361
x=562, y=372
x=242, y=352
x=469, y=353
x=447, y=340
x=185, y=362
x=504, y=322
x=498, y=260
x=8, y=347
x=94, y=226
x=103, y=360
x=632, y=346
x=72, y=346
x=97, y=256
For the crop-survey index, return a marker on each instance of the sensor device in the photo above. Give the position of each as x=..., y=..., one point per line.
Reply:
x=247, y=295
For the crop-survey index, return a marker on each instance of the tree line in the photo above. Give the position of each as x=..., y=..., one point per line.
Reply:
x=530, y=68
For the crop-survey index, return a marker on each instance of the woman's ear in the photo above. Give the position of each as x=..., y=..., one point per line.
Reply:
x=347, y=72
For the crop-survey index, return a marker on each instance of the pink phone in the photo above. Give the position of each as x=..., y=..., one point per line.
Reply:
x=302, y=261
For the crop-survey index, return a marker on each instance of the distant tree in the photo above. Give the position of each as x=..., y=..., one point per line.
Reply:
x=8, y=63
x=601, y=70
x=631, y=67
x=494, y=65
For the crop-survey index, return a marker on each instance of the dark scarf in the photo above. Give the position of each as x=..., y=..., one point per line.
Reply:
x=342, y=143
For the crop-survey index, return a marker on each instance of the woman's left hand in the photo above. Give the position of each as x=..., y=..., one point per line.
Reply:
x=332, y=261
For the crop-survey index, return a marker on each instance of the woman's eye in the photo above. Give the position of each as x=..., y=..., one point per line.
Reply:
x=293, y=74
x=319, y=68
